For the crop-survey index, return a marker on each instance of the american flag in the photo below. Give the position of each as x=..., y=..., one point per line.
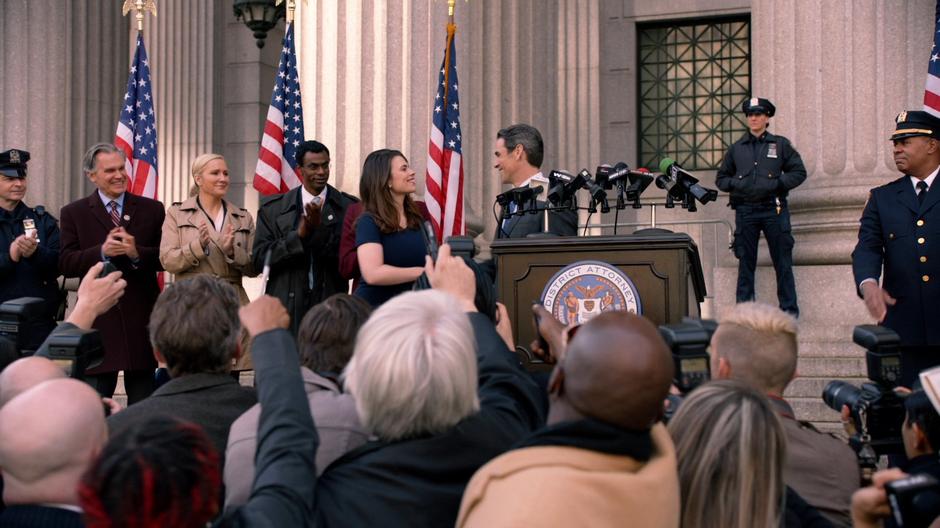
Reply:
x=276, y=171
x=932, y=89
x=137, y=127
x=444, y=177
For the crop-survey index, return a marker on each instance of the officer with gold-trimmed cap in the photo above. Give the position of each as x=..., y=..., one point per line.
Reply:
x=29, y=249
x=900, y=231
x=758, y=172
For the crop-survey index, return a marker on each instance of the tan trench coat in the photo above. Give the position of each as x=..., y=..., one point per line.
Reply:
x=182, y=255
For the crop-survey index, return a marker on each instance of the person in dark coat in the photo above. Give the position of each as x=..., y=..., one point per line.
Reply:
x=431, y=436
x=195, y=331
x=29, y=249
x=282, y=490
x=124, y=229
x=758, y=172
x=519, y=151
x=302, y=230
x=898, y=232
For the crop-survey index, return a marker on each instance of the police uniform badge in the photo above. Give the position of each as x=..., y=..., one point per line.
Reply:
x=14, y=156
x=585, y=289
x=902, y=117
x=772, y=150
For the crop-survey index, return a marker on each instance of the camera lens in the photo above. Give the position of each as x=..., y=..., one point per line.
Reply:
x=838, y=393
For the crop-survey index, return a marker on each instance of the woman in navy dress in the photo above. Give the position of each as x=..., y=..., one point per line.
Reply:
x=389, y=244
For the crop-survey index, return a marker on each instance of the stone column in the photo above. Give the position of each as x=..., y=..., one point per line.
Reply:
x=62, y=71
x=838, y=71
x=369, y=72
x=182, y=48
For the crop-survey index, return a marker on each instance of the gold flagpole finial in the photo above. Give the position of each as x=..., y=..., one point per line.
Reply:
x=291, y=6
x=140, y=6
x=450, y=9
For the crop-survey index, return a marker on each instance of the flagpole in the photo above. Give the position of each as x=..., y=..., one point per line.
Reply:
x=140, y=6
x=451, y=30
x=291, y=5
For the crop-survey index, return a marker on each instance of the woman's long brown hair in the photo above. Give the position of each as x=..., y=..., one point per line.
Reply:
x=377, y=197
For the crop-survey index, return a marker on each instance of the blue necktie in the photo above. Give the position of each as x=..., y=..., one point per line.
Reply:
x=512, y=210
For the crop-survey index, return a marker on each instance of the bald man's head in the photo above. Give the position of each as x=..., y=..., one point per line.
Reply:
x=618, y=369
x=26, y=373
x=49, y=435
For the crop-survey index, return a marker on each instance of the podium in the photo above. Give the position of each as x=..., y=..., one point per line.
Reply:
x=663, y=266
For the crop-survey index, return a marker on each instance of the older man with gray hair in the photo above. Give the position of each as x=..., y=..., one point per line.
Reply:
x=49, y=435
x=437, y=386
x=122, y=228
x=757, y=343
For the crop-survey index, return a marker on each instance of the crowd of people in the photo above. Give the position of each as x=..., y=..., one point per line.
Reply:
x=418, y=413
x=393, y=406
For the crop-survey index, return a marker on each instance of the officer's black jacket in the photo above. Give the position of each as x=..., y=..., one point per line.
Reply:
x=33, y=276
x=761, y=178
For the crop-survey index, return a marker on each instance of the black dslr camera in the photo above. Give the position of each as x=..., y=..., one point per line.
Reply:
x=915, y=500
x=688, y=342
x=876, y=410
x=74, y=351
x=18, y=315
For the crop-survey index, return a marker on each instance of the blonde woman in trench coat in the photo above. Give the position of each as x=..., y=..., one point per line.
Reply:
x=208, y=234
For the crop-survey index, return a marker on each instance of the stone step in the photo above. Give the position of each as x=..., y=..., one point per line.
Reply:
x=831, y=368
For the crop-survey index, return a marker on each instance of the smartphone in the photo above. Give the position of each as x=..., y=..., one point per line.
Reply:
x=107, y=269
x=29, y=226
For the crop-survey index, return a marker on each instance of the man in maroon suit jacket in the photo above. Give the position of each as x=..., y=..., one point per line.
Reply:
x=122, y=228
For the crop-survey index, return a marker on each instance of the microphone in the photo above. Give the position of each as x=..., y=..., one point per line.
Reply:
x=669, y=166
x=674, y=175
x=602, y=176
x=524, y=194
x=556, y=185
x=622, y=170
x=639, y=180
x=594, y=189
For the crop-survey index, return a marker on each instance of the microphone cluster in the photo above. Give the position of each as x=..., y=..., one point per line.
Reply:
x=563, y=186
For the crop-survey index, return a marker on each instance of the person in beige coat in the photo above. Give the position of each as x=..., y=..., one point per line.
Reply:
x=603, y=458
x=208, y=234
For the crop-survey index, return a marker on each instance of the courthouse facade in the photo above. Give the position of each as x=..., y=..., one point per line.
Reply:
x=604, y=80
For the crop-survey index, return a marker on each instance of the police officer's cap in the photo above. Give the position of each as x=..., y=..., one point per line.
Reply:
x=916, y=123
x=758, y=105
x=13, y=163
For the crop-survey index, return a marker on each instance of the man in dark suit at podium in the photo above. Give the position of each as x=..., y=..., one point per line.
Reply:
x=518, y=158
x=899, y=231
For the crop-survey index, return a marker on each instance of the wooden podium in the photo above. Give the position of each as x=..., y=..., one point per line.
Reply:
x=664, y=266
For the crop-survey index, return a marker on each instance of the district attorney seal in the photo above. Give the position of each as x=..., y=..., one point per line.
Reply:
x=587, y=288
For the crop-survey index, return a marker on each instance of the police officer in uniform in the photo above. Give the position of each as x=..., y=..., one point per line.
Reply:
x=758, y=172
x=899, y=231
x=29, y=247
